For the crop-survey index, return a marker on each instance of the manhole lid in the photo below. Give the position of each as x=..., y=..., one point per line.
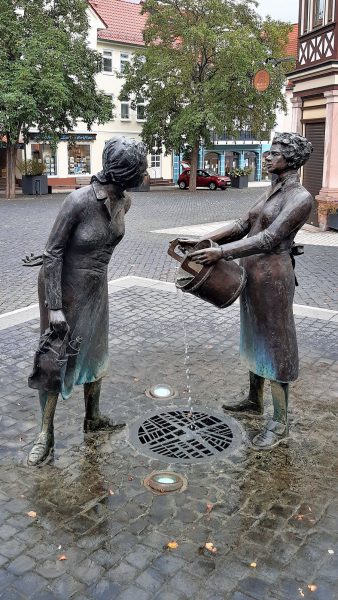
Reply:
x=168, y=435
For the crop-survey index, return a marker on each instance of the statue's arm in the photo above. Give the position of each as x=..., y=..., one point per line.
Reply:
x=291, y=218
x=54, y=252
x=231, y=232
x=235, y=230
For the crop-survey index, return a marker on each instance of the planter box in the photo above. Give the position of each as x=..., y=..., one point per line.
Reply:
x=34, y=185
x=240, y=182
x=332, y=220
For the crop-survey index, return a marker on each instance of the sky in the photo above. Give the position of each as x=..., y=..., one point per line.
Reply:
x=285, y=10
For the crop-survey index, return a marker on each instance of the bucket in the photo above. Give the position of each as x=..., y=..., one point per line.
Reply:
x=220, y=283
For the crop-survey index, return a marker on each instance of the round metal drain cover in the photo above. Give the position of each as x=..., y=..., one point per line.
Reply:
x=172, y=435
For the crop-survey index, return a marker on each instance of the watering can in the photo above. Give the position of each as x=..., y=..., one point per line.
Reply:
x=220, y=283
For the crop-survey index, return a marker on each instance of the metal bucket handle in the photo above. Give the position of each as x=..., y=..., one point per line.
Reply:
x=183, y=260
x=173, y=254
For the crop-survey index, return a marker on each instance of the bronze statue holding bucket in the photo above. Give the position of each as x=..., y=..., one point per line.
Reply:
x=264, y=241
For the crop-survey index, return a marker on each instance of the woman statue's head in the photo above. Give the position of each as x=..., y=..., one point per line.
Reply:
x=295, y=149
x=124, y=162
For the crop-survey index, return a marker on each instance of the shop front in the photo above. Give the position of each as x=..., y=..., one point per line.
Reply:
x=71, y=159
x=240, y=156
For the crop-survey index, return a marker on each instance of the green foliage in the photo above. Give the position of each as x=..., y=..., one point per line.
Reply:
x=47, y=71
x=195, y=72
x=237, y=172
x=33, y=166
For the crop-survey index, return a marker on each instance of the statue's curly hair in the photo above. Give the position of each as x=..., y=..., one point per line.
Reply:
x=296, y=149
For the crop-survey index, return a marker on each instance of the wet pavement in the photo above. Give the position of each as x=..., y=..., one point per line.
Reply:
x=86, y=528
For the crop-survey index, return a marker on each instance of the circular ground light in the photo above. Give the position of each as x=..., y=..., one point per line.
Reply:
x=161, y=391
x=176, y=437
x=165, y=482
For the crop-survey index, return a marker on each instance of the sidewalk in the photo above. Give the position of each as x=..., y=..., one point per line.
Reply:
x=85, y=528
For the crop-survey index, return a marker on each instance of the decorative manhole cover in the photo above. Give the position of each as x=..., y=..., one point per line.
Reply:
x=174, y=436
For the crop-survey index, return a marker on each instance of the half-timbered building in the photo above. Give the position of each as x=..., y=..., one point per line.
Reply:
x=315, y=103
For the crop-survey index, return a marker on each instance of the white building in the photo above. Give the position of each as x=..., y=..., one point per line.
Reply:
x=115, y=30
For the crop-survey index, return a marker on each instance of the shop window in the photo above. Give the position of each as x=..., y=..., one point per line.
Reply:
x=125, y=110
x=79, y=159
x=107, y=61
x=318, y=13
x=45, y=154
x=124, y=61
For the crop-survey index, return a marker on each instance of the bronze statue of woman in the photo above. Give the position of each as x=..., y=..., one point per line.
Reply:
x=73, y=288
x=263, y=240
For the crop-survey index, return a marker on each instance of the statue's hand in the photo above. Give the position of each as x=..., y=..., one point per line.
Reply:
x=207, y=256
x=32, y=260
x=185, y=244
x=57, y=322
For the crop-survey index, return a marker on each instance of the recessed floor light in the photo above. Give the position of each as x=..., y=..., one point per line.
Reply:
x=161, y=391
x=165, y=482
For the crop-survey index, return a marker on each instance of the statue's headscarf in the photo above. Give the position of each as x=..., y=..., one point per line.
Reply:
x=123, y=162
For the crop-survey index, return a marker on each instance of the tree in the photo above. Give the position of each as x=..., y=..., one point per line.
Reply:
x=195, y=72
x=47, y=73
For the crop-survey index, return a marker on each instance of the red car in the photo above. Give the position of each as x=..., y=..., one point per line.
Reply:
x=204, y=179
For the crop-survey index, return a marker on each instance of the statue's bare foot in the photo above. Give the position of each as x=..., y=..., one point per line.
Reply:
x=42, y=452
x=101, y=423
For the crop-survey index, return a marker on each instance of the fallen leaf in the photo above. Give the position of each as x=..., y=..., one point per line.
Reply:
x=111, y=493
x=59, y=547
x=210, y=546
x=331, y=551
x=172, y=545
x=312, y=587
x=253, y=565
x=63, y=557
x=130, y=478
x=301, y=592
x=210, y=507
x=32, y=514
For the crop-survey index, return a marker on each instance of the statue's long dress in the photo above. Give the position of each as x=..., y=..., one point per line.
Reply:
x=74, y=276
x=268, y=342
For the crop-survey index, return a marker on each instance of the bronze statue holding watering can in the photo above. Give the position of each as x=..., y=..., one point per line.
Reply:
x=263, y=240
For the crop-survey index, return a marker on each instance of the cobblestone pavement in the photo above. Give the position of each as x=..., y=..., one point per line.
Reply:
x=26, y=223
x=272, y=516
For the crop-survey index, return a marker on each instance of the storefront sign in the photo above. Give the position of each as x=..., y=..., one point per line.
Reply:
x=66, y=137
x=261, y=80
x=3, y=146
x=78, y=137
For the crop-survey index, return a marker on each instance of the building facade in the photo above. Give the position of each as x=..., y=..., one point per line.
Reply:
x=315, y=103
x=115, y=30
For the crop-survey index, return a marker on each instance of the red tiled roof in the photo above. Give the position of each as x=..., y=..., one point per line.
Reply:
x=124, y=20
x=292, y=45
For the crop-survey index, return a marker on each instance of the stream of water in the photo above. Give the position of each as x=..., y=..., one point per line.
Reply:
x=186, y=360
